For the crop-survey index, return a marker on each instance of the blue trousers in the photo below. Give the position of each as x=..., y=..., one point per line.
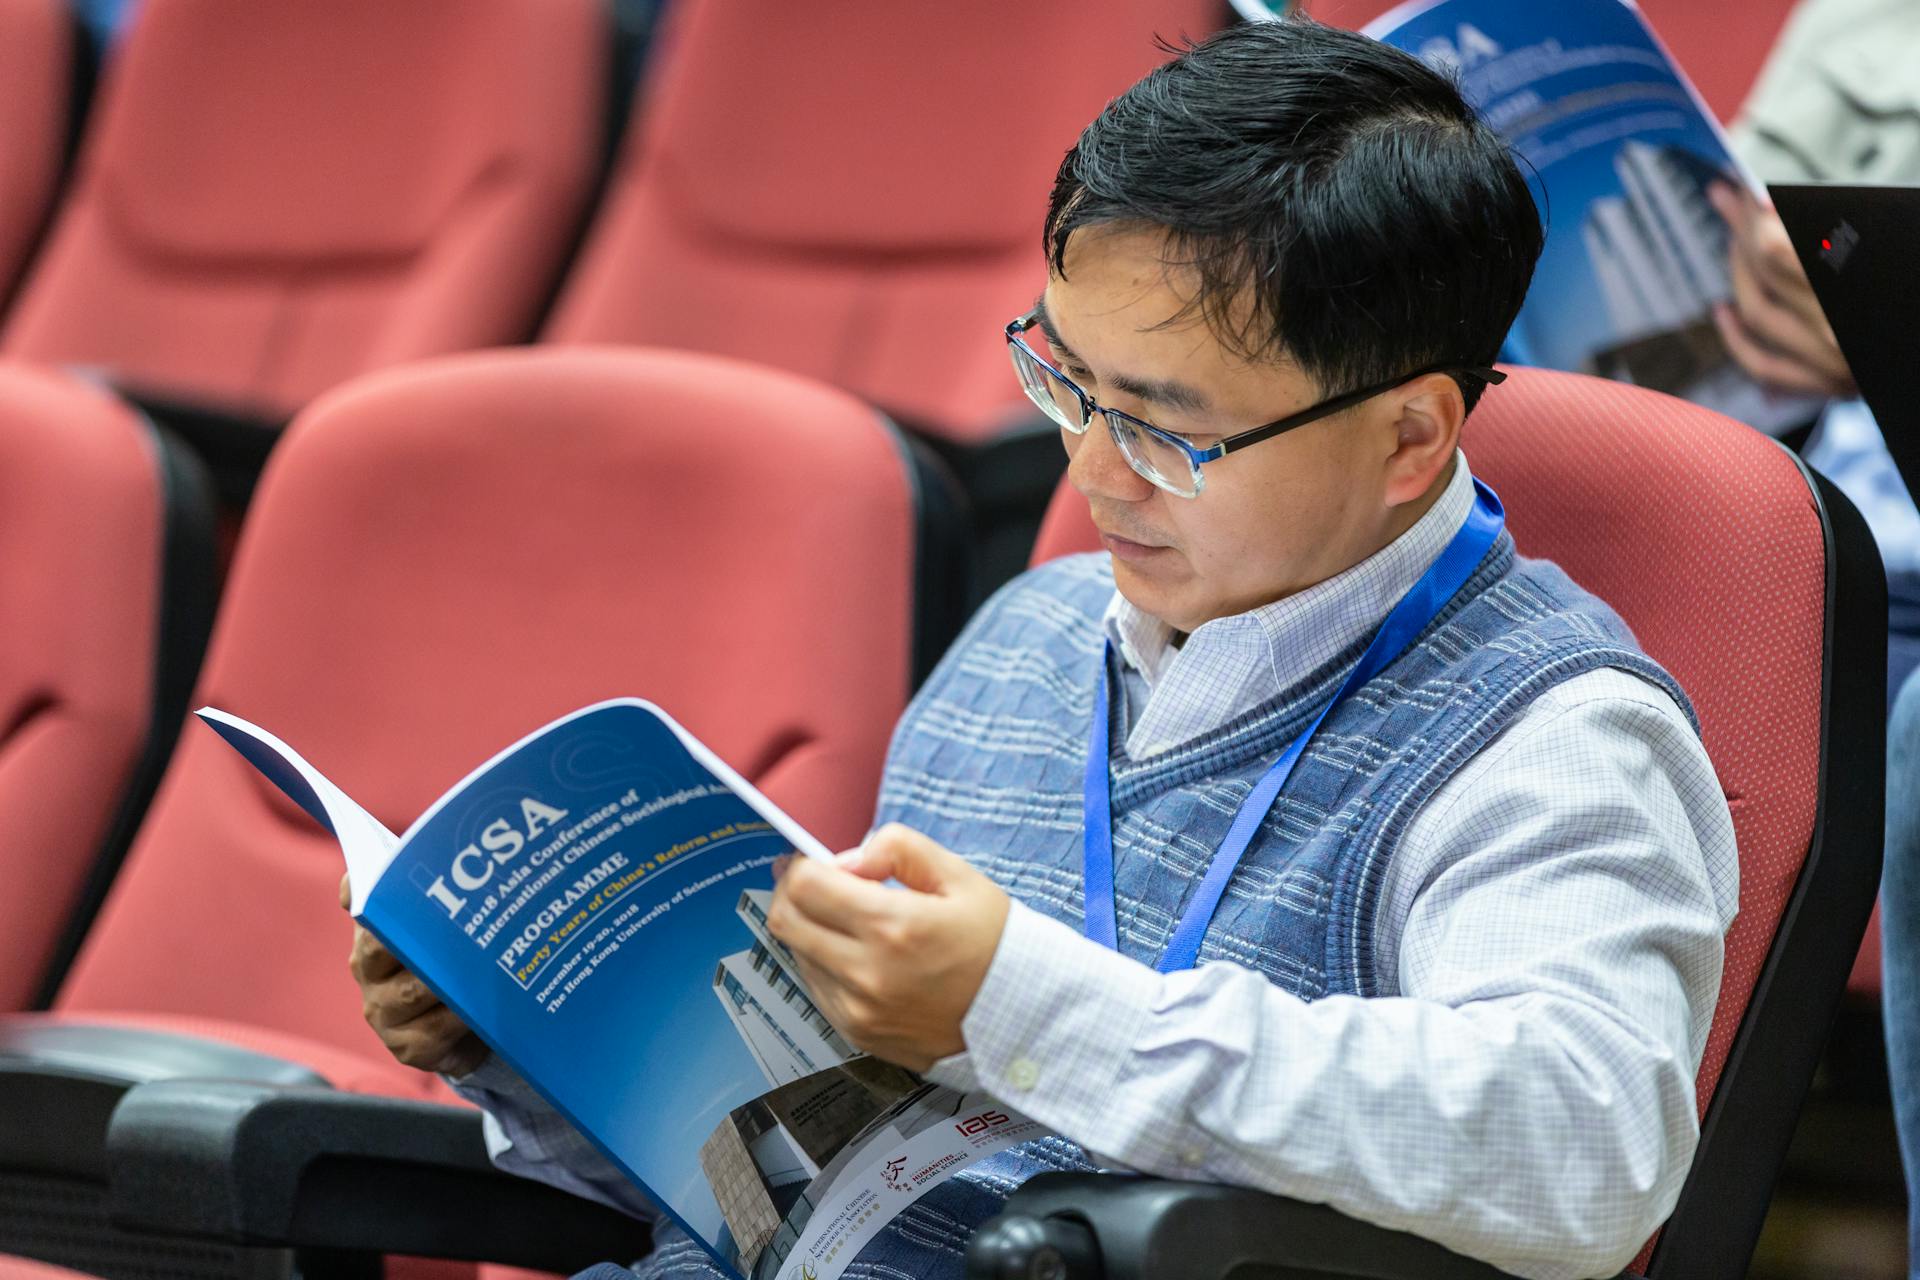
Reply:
x=1900, y=943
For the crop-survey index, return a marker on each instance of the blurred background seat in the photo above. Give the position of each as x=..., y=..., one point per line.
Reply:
x=39, y=56
x=869, y=220
x=106, y=548
x=271, y=198
x=872, y=223
x=579, y=524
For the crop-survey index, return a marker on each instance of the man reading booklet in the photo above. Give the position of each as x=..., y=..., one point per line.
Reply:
x=1308, y=839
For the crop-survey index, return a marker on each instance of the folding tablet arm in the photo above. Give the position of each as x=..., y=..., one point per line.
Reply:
x=348, y=1175
x=140, y=1134
x=1090, y=1226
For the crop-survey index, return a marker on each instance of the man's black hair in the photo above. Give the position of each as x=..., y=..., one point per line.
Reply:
x=1380, y=225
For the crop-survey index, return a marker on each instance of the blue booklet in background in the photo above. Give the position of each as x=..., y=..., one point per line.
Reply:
x=1621, y=149
x=592, y=903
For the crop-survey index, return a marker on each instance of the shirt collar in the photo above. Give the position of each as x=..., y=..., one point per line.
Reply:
x=1231, y=664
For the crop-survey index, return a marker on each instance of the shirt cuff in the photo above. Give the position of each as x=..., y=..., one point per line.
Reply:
x=492, y=1076
x=955, y=1071
x=490, y=1086
x=1055, y=1022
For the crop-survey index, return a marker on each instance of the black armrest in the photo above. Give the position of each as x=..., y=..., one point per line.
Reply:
x=1082, y=1226
x=262, y=1164
x=59, y=1084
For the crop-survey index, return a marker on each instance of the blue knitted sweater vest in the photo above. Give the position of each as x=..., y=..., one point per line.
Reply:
x=989, y=759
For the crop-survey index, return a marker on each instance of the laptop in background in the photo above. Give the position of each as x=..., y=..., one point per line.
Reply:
x=1860, y=248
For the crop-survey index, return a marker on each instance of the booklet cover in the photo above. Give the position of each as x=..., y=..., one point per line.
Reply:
x=592, y=903
x=1621, y=149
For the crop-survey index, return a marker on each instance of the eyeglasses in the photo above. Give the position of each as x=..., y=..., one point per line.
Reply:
x=1161, y=456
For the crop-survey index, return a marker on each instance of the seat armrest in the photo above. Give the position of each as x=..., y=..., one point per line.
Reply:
x=1079, y=1226
x=264, y=1164
x=59, y=1084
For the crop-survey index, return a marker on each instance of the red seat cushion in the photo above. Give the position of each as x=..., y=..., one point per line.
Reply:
x=274, y=197
x=81, y=527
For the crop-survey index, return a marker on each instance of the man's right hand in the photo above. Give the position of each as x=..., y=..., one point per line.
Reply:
x=409, y=1019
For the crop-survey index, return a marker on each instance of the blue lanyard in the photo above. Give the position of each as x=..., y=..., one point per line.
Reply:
x=1415, y=612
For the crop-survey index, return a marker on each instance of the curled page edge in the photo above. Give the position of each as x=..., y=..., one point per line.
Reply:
x=364, y=841
x=1406, y=11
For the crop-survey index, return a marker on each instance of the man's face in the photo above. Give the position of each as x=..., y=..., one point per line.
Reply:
x=1274, y=518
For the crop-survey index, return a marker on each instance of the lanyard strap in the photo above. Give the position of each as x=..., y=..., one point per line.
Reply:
x=1415, y=612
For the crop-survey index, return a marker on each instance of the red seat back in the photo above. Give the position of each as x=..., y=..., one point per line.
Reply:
x=855, y=191
x=81, y=529
x=444, y=557
x=1709, y=540
x=273, y=197
x=1701, y=534
x=36, y=92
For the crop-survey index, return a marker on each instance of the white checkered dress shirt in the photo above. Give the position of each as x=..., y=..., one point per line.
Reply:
x=1549, y=941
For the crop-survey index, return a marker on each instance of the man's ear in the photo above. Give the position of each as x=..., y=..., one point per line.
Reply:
x=1426, y=415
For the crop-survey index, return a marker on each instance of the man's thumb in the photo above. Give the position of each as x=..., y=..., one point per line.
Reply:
x=903, y=854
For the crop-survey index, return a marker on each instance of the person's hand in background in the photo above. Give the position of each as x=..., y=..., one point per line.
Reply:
x=409, y=1019
x=1773, y=326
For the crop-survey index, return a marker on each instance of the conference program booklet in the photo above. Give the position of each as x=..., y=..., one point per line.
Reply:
x=1620, y=149
x=592, y=903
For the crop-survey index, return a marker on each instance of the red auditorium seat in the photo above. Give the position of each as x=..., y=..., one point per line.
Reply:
x=1720, y=551
x=439, y=559
x=37, y=57
x=854, y=191
x=105, y=569
x=271, y=198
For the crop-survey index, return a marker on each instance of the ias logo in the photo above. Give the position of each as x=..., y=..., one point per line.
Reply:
x=891, y=1171
x=977, y=1124
x=807, y=1272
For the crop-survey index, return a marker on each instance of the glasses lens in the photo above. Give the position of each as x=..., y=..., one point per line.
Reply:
x=1161, y=461
x=1054, y=395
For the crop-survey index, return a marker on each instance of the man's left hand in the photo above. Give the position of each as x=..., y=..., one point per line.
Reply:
x=895, y=969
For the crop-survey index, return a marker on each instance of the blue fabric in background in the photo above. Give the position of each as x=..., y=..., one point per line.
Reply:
x=104, y=19
x=1847, y=448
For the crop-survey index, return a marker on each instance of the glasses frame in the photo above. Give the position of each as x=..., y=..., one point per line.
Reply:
x=1017, y=327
